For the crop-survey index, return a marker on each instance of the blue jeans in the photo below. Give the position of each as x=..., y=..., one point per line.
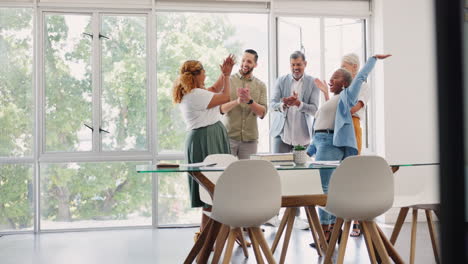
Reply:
x=326, y=151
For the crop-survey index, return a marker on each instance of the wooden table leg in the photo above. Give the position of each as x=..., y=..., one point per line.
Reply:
x=208, y=245
x=199, y=243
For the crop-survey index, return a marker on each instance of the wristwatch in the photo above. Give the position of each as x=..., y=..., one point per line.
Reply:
x=250, y=101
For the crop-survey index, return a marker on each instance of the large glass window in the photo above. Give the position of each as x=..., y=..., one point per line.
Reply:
x=16, y=118
x=124, y=83
x=71, y=71
x=16, y=88
x=174, y=200
x=83, y=195
x=16, y=197
x=68, y=82
x=208, y=38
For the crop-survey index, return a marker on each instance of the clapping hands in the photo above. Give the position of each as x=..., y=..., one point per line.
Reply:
x=291, y=100
x=243, y=94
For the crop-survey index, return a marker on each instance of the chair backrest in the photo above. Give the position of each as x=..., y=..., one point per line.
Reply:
x=248, y=193
x=425, y=192
x=361, y=188
x=221, y=160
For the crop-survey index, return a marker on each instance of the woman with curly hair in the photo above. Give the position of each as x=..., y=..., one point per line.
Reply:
x=200, y=108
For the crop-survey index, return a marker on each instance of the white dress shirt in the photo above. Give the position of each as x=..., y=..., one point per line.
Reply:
x=293, y=133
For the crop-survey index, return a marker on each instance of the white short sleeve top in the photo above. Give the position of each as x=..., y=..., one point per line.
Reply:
x=194, y=109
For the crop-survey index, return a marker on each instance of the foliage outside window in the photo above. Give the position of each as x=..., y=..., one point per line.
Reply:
x=77, y=195
x=16, y=118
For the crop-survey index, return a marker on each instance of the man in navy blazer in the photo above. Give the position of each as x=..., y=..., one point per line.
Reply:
x=294, y=102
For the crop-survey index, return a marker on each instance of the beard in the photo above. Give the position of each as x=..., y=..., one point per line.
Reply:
x=247, y=72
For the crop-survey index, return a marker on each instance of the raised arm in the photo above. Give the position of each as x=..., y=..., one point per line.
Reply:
x=355, y=87
x=218, y=85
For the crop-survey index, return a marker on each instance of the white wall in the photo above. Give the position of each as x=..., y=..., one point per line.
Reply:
x=405, y=87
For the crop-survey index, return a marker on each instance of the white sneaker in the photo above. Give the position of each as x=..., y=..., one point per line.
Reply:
x=274, y=221
x=299, y=223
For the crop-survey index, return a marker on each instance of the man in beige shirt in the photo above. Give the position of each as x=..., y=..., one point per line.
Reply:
x=248, y=101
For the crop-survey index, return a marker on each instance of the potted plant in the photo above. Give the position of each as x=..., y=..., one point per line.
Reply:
x=299, y=154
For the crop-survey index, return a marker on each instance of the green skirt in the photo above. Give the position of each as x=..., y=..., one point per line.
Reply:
x=200, y=143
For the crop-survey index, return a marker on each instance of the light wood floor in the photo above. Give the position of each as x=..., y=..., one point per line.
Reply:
x=168, y=246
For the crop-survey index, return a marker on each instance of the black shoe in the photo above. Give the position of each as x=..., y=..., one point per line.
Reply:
x=328, y=240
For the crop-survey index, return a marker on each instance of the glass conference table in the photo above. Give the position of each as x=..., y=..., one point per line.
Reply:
x=202, y=248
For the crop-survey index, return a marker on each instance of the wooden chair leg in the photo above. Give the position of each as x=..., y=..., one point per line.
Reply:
x=263, y=244
x=281, y=227
x=255, y=246
x=197, y=247
x=392, y=253
x=430, y=225
x=220, y=242
x=414, y=227
x=242, y=241
x=369, y=245
x=313, y=231
x=377, y=241
x=344, y=241
x=318, y=227
x=230, y=246
x=287, y=236
x=399, y=224
x=333, y=240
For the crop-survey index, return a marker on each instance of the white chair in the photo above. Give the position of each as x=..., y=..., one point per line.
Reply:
x=305, y=187
x=416, y=199
x=361, y=188
x=221, y=160
x=247, y=194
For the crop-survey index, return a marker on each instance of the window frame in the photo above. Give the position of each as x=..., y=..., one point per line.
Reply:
x=96, y=153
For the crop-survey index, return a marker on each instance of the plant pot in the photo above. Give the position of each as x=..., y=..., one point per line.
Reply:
x=300, y=156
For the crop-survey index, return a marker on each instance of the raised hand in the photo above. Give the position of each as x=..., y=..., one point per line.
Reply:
x=382, y=56
x=322, y=85
x=227, y=65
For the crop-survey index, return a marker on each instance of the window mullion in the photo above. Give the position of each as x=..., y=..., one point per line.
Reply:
x=96, y=82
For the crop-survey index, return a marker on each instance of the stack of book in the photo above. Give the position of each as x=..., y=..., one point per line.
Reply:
x=281, y=159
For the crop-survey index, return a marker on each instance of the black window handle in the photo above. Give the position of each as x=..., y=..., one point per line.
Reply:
x=89, y=35
x=90, y=127
x=102, y=130
x=102, y=36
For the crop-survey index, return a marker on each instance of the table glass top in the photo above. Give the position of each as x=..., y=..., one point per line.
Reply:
x=292, y=166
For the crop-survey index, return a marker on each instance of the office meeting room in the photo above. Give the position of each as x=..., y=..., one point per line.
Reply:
x=233, y=131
